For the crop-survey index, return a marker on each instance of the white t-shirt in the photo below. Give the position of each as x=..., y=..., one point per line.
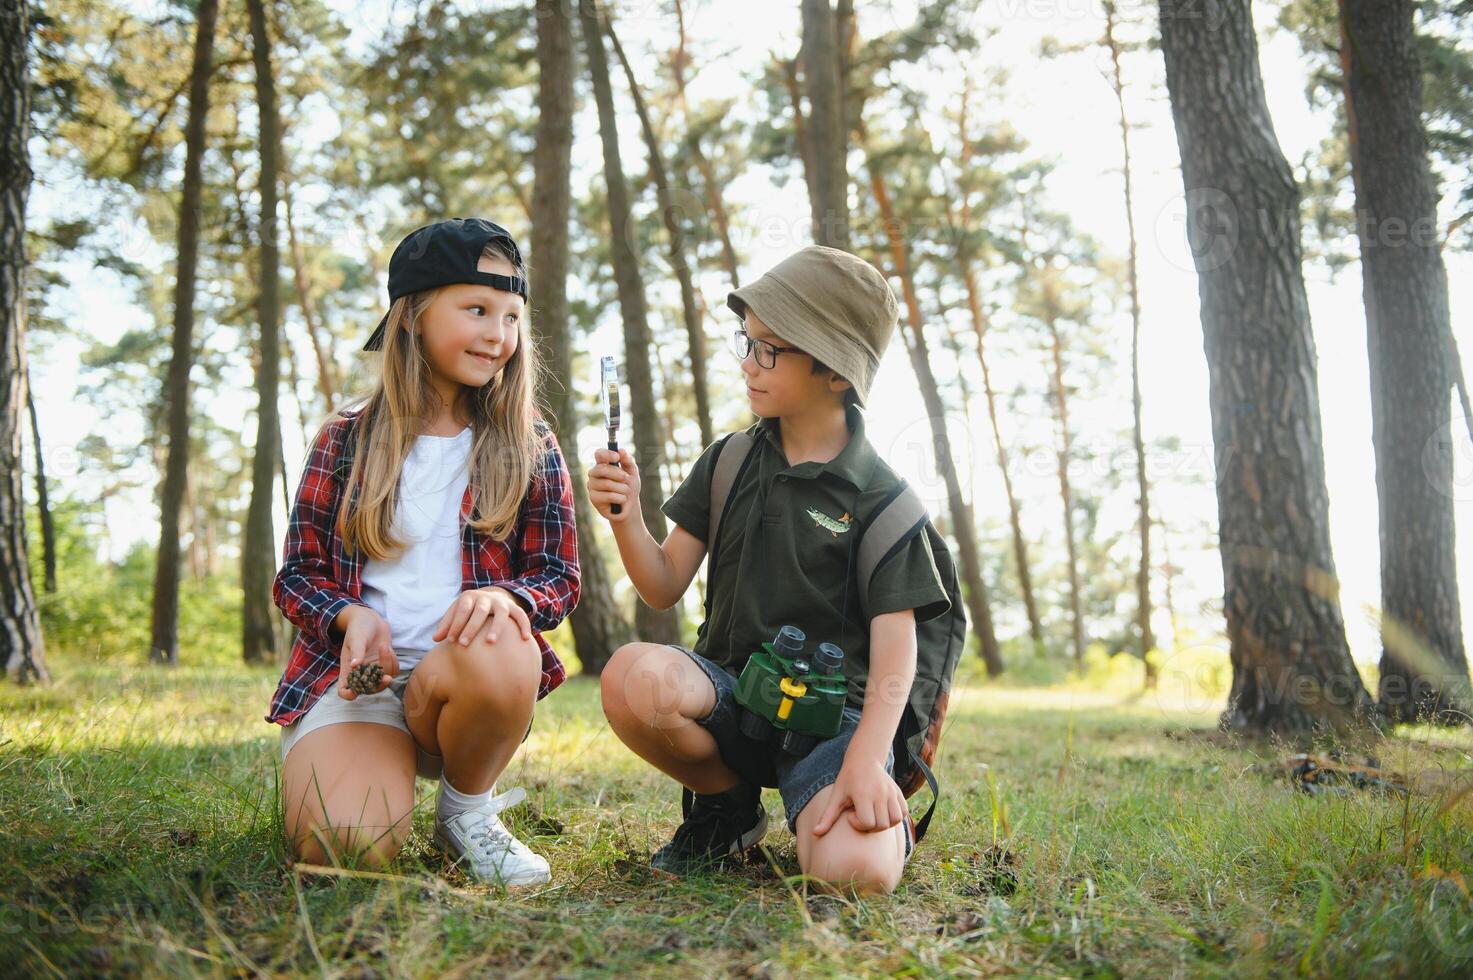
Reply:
x=413, y=591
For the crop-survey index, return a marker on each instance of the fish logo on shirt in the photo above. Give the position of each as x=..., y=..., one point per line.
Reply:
x=836, y=526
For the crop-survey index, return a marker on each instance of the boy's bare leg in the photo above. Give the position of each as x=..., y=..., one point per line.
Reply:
x=864, y=862
x=348, y=789
x=652, y=696
x=471, y=705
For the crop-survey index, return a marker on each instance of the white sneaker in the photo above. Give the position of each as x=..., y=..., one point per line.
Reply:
x=479, y=842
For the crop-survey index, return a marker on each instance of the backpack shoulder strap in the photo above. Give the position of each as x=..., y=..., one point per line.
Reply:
x=895, y=521
x=731, y=459
x=924, y=823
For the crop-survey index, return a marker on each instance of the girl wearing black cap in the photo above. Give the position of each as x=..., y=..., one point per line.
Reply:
x=432, y=541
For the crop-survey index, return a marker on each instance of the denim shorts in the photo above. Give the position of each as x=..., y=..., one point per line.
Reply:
x=797, y=778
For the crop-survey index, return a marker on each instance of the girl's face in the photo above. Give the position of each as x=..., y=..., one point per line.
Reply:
x=789, y=387
x=470, y=332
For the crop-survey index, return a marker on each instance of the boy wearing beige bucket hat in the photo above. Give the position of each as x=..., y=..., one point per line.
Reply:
x=782, y=553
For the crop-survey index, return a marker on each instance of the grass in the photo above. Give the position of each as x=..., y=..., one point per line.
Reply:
x=1084, y=831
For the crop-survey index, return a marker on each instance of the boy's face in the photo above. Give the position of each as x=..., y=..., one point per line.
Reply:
x=789, y=387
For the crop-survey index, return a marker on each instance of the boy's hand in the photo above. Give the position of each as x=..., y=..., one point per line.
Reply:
x=867, y=791
x=366, y=639
x=492, y=611
x=609, y=484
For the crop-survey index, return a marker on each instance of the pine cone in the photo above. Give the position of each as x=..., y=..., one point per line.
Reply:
x=364, y=678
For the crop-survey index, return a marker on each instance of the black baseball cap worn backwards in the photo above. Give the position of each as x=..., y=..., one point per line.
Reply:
x=443, y=254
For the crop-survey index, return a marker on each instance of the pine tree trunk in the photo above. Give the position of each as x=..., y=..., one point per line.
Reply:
x=294, y=385
x=1143, y=519
x=192, y=510
x=978, y=604
x=695, y=332
x=1424, y=665
x=1065, y=454
x=327, y=380
x=598, y=627
x=1292, y=670
x=1169, y=571
x=43, y=499
x=703, y=162
x=953, y=346
x=979, y=327
x=801, y=137
x=164, y=627
x=261, y=639
x=1015, y=517
x=22, y=650
x=652, y=625
x=828, y=187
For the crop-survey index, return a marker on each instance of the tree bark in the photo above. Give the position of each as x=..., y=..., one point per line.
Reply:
x=260, y=635
x=979, y=327
x=651, y=624
x=978, y=603
x=294, y=385
x=598, y=627
x=1424, y=665
x=828, y=186
x=801, y=137
x=703, y=162
x=164, y=627
x=1143, y=518
x=43, y=498
x=695, y=332
x=1065, y=453
x=1292, y=670
x=1169, y=573
x=22, y=650
x=327, y=380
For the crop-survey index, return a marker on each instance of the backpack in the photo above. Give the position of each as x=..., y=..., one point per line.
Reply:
x=939, y=641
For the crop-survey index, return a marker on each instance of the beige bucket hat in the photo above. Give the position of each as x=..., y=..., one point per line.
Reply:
x=832, y=304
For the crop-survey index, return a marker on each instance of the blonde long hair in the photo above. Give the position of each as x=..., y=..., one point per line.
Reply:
x=505, y=447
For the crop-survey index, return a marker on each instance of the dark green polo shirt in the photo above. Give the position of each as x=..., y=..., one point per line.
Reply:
x=785, y=552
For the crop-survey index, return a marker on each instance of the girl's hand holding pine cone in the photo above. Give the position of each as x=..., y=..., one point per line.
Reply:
x=367, y=662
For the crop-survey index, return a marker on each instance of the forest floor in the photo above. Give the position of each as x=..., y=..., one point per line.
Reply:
x=1082, y=832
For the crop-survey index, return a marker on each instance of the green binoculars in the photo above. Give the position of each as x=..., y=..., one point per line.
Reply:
x=790, y=698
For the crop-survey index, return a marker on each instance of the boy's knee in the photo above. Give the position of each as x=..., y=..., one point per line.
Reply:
x=643, y=684
x=615, y=678
x=861, y=871
x=610, y=680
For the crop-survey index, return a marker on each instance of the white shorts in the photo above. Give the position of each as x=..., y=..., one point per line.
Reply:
x=384, y=708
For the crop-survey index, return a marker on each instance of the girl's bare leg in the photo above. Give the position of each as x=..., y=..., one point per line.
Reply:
x=471, y=705
x=348, y=789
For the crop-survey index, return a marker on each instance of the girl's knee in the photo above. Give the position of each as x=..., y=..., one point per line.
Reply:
x=507, y=669
x=370, y=848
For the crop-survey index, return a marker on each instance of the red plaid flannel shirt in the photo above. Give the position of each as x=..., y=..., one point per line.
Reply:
x=538, y=563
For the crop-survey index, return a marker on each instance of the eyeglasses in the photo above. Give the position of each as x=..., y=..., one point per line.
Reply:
x=742, y=345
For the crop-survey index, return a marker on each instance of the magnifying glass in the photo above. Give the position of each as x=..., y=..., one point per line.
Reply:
x=610, y=389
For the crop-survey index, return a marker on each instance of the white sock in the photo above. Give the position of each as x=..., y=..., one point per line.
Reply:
x=452, y=802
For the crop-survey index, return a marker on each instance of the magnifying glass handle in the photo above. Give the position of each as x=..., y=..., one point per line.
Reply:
x=614, y=446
